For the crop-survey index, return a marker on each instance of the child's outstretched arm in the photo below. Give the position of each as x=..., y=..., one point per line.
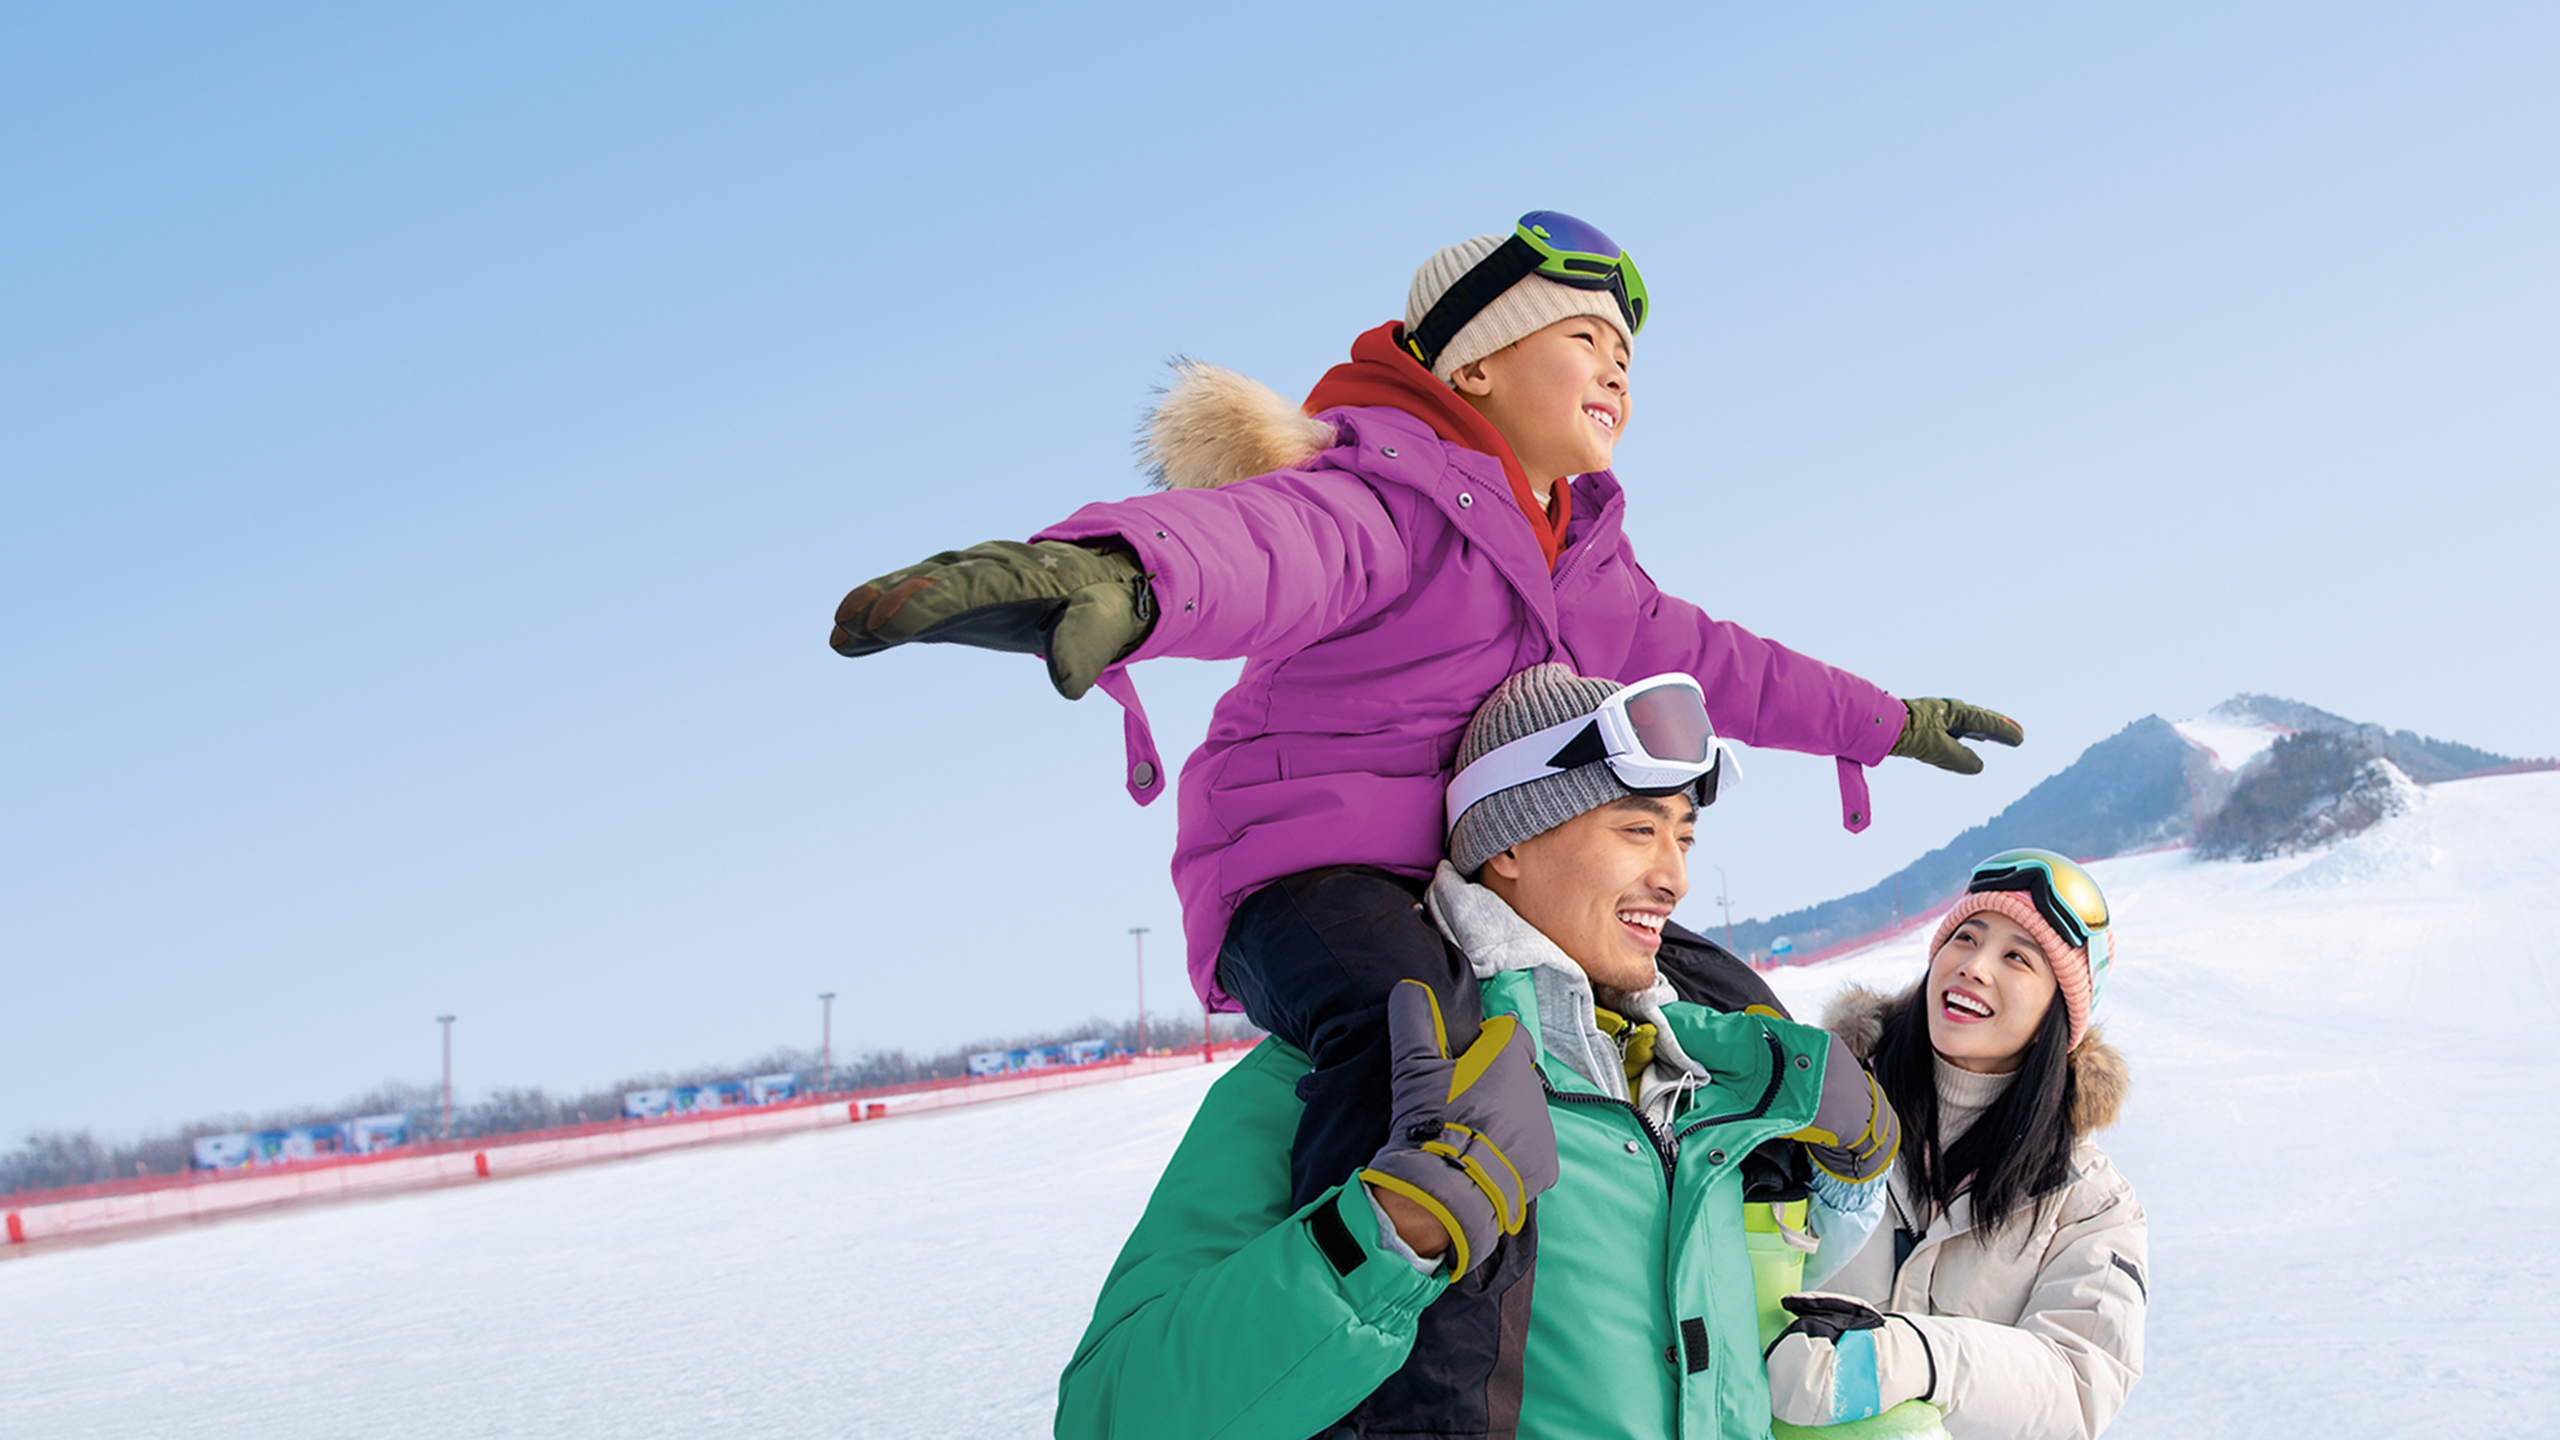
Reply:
x=1763, y=693
x=1245, y=570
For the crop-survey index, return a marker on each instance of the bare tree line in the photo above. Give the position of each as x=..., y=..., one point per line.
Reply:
x=54, y=1159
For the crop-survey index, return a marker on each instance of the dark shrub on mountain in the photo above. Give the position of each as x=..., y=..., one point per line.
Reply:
x=2422, y=758
x=2309, y=790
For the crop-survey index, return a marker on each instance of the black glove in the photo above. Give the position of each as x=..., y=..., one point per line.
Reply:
x=1470, y=1140
x=1079, y=607
x=1931, y=728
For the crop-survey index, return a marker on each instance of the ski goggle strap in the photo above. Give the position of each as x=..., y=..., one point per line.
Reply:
x=2063, y=893
x=1654, y=734
x=1548, y=243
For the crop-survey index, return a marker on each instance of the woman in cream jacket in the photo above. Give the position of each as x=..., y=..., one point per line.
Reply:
x=2008, y=1282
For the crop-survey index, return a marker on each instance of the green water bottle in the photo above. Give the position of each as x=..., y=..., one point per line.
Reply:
x=1778, y=1240
x=1910, y=1420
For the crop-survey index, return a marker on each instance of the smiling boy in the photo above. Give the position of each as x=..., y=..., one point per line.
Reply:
x=1558, y=395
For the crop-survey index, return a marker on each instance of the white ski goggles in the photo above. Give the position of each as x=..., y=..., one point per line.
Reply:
x=1654, y=733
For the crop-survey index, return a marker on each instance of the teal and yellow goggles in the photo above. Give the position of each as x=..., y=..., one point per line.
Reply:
x=1546, y=243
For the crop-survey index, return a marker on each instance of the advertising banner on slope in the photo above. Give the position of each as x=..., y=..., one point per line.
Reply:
x=303, y=1142
x=1046, y=1057
x=373, y=1134
x=223, y=1152
x=703, y=1099
x=709, y=1099
x=366, y=1135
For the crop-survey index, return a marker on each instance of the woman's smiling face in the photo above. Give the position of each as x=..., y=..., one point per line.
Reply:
x=1988, y=989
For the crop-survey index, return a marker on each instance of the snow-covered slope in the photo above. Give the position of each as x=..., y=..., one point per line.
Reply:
x=2232, y=741
x=923, y=1277
x=2344, y=1066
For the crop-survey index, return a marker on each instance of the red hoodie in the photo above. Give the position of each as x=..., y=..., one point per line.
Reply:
x=1382, y=372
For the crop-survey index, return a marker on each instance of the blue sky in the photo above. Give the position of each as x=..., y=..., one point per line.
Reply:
x=432, y=444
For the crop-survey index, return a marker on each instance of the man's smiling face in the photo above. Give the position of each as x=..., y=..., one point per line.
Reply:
x=1601, y=884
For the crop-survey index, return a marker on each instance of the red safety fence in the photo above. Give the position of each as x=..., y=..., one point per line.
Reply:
x=155, y=1200
x=1855, y=942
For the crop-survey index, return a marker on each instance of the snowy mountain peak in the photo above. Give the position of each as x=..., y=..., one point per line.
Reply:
x=2230, y=735
x=2156, y=783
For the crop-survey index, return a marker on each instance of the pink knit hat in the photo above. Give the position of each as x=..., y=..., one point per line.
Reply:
x=2070, y=962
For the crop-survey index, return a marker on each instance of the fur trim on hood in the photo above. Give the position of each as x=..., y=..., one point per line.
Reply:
x=2098, y=1071
x=1214, y=427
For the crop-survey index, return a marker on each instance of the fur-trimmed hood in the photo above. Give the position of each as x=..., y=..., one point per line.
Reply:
x=1214, y=427
x=2098, y=1072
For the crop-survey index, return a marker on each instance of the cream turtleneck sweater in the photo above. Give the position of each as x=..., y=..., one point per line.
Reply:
x=1963, y=1096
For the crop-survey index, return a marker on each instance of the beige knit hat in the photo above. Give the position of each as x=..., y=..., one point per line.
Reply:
x=1526, y=308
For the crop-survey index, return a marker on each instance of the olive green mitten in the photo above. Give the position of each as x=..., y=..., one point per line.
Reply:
x=1079, y=607
x=1932, y=728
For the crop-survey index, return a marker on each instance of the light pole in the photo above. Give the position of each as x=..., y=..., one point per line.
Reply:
x=447, y=1022
x=1139, y=934
x=1726, y=900
x=827, y=1042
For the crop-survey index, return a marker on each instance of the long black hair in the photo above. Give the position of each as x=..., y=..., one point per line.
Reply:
x=2019, y=1150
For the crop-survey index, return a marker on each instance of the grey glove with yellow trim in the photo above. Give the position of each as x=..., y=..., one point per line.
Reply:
x=1855, y=1134
x=1933, y=729
x=1079, y=607
x=1470, y=1140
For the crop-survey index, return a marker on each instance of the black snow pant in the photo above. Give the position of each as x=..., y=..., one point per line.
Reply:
x=1311, y=957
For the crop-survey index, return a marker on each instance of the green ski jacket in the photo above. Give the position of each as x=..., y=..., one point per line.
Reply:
x=1228, y=1316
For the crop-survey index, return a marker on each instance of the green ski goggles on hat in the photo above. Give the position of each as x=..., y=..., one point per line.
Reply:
x=2062, y=892
x=1546, y=243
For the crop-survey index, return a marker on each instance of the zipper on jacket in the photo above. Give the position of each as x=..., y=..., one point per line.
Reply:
x=1666, y=1147
x=1663, y=1145
x=1672, y=1357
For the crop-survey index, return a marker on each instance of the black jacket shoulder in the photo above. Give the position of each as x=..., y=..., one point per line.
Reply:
x=1706, y=973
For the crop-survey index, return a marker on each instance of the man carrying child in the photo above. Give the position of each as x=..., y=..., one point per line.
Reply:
x=1235, y=1311
x=1437, y=514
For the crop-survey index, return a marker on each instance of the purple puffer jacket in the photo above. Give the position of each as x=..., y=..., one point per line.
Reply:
x=1378, y=591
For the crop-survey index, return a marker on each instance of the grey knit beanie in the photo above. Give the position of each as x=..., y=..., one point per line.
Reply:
x=1523, y=310
x=1528, y=702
